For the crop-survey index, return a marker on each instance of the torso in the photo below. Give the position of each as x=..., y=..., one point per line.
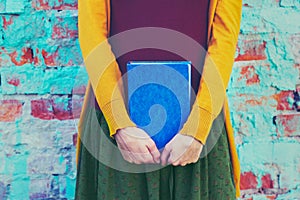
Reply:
x=189, y=17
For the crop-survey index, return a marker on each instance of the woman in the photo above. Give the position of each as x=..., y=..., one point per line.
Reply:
x=215, y=26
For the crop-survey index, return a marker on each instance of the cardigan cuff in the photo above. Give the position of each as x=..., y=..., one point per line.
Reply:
x=198, y=124
x=116, y=116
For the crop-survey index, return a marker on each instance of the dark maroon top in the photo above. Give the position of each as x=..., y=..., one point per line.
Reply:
x=186, y=16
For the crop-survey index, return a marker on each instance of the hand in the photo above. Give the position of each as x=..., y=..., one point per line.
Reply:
x=181, y=150
x=136, y=146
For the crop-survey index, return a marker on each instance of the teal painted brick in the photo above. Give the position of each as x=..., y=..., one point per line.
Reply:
x=254, y=126
x=64, y=27
x=286, y=23
x=47, y=163
x=74, y=55
x=2, y=158
x=283, y=154
x=40, y=187
x=289, y=175
x=290, y=3
x=260, y=79
x=265, y=20
x=61, y=81
x=29, y=80
x=14, y=6
x=66, y=80
x=19, y=187
x=55, y=55
x=1, y=36
x=80, y=82
x=253, y=22
x=70, y=187
x=2, y=6
x=294, y=44
x=24, y=28
x=255, y=4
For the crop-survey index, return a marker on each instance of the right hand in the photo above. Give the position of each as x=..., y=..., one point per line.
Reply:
x=136, y=146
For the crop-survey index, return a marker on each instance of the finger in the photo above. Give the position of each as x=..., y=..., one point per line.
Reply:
x=181, y=161
x=165, y=155
x=174, y=157
x=174, y=160
x=142, y=157
x=186, y=158
x=154, y=152
x=136, y=158
x=183, y=164
x=147, y=158
x=176, y=163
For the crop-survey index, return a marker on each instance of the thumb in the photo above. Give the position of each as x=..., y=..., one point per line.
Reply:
x=154, y=151
x=165, y=155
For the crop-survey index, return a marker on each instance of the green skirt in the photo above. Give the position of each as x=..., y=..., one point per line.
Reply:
x=209, y=178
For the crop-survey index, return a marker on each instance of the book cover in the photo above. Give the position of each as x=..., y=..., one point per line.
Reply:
x=158, y=97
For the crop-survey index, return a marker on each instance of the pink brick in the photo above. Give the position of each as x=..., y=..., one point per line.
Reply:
x=7, y=22
x=79, y=89
x=16, y=56
x=282, y=100
x=60, y=108
x=50, y=58
x=42, y=109
x=25, y=57
x=65, y=28
x=288, y=124
x=46, y=109
x=248, y=73
x=10, y=110
x=248, y=181
x=252, y=49
x=54, y=4
x=13, y=81
x=267, y=181
x=76, y=107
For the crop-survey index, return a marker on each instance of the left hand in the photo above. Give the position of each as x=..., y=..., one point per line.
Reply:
x=181, y=150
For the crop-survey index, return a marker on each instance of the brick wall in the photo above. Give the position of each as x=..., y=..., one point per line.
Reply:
x=261, y=96
x=43, y=82
x=41, y=98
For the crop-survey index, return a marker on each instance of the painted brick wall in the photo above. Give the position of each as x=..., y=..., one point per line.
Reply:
x=41, y=98
x=266, y=123
x=43, y=82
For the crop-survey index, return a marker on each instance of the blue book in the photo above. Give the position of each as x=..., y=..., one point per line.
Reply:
x=158, y=97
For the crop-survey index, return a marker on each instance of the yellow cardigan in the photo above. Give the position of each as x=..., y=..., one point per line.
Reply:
x=223, y=31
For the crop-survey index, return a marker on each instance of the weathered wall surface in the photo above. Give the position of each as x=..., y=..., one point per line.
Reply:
x=265, y=74
x=42, y=92
x=39, y=59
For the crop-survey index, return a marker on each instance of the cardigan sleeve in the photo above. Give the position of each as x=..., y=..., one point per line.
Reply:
x=100, y=63
x=216, y=71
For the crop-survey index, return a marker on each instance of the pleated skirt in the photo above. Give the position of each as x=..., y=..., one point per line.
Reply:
x=211, y=177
